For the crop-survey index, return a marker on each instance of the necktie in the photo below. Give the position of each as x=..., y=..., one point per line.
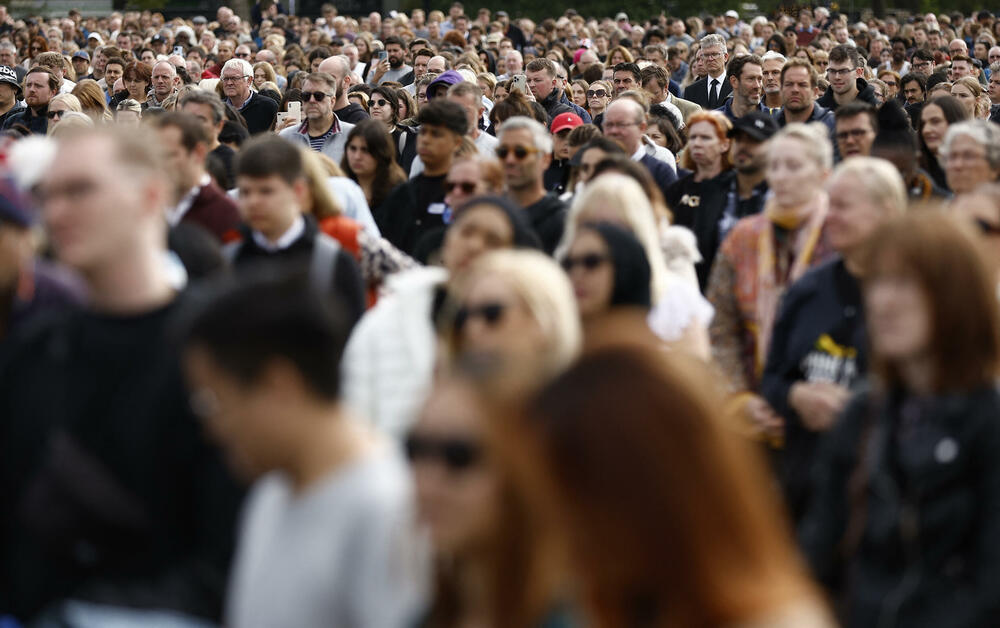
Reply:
x=713, y=96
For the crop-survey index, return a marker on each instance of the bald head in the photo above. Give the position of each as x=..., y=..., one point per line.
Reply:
x=339, y=67
x=437, y=64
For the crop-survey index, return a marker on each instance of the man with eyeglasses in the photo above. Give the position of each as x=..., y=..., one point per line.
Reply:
x=857, y=124
x=259, y=111
x=958, y=47
x=322, y=130
x=922, y=62
x=625, y=123
x=525, y=151
x=994, y=91
x=40, y=85
x=846, y=85
x=711, y=92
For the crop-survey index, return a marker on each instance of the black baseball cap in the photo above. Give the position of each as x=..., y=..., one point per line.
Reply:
x=756, y=124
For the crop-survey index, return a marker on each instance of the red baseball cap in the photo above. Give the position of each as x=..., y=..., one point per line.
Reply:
x=565, y=121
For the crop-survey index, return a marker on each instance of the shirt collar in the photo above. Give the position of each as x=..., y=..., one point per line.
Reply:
x=639, y=154
x=286, y=240
x=334, y=128
x=176, y=213
x=721, y=78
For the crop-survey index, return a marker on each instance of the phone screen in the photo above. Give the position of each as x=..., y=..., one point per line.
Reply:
x=382, y=55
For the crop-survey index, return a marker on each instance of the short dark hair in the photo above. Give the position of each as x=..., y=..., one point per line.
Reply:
x=631, y=68
x=921, y=53
x=40, y=69
x=845, y=52
x=961, y=58
x=250, y=320
x=444, y=113
x=736, y=64
x=267, y=155
x=192, y=131
x=117, y=61
x=856, y=108
x=914, y=77
x=393, y=40
x=320, y=52
x=423, y=52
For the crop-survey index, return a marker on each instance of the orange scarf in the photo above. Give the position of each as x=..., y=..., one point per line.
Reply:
x=805, y=225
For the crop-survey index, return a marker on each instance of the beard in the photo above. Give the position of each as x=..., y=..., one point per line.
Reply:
x=395, y=63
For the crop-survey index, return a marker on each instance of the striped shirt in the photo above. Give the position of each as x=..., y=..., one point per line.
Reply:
x=317, y=143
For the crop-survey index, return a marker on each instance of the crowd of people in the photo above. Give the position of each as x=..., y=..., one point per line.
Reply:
x=449, y=320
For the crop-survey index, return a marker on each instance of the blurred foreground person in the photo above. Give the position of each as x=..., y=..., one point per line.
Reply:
x=488, y=570
x=906, y=496
x=648, y=503
x=609, y=271
x=514, y=306
x=328, y=535
x=819, y=348
x=971, y=153
x=112, y=495
x=764, y=254
x=390, y=357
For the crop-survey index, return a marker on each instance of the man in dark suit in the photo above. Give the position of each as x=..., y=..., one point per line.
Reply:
x=625, y=123
x=197, y=200
x=712, y=91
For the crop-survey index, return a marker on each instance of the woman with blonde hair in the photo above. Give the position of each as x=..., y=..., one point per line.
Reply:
x=92, y=101
x=819, y=350
x=516, y=305
x=762, y=255
x=973, y=97
x=680, y=315
x=70, y=120
x=59, y=105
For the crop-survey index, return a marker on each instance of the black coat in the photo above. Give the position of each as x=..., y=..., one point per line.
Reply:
x=37, y=124
x=819, y=336
x=866, y=93
x=548, y=219
x=697, y=93
x=906, y=502
x=259, y=113
x=699, y=207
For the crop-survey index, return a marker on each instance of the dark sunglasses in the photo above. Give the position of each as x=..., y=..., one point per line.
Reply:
x=53, y=114
x=380, y=102
x=520, y=152
x=599, y=93
x=243, y=55
x=318, y=96
x=467, y=187
x=491, y=313
x=455, y=453
x=590, y=261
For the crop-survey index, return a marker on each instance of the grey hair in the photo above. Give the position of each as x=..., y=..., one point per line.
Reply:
x=711, y=41
x=982, y=132
x=203, y=97
x=773, y=54
x=6, y=45
x=994, y=67
x=539, y=135
x=242, y=64
x=173, y=68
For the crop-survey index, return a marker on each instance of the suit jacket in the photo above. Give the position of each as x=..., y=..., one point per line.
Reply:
x=687, y=107
x=214, y=211
x=697, y=93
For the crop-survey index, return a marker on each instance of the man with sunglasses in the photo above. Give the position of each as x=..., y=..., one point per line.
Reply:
x=525, y=151
x=322, y=130
x=259, y=111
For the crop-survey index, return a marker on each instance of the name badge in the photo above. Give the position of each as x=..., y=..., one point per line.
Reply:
x=436, y=208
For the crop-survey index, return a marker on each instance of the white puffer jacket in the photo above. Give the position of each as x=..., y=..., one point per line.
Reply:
x=388, y=363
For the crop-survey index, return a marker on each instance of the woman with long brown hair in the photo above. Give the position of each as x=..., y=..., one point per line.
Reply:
x=662, y=523
x=370, y=160
x=907, y=501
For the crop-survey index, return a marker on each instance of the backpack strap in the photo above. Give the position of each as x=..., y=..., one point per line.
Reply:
x=323, y=264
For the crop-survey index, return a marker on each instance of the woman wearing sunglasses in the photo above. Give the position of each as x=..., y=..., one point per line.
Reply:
x=516, y=306
x=599, y=94
x=482, y=537
x=608, y=269
x=390, y=358
x=383, y=105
